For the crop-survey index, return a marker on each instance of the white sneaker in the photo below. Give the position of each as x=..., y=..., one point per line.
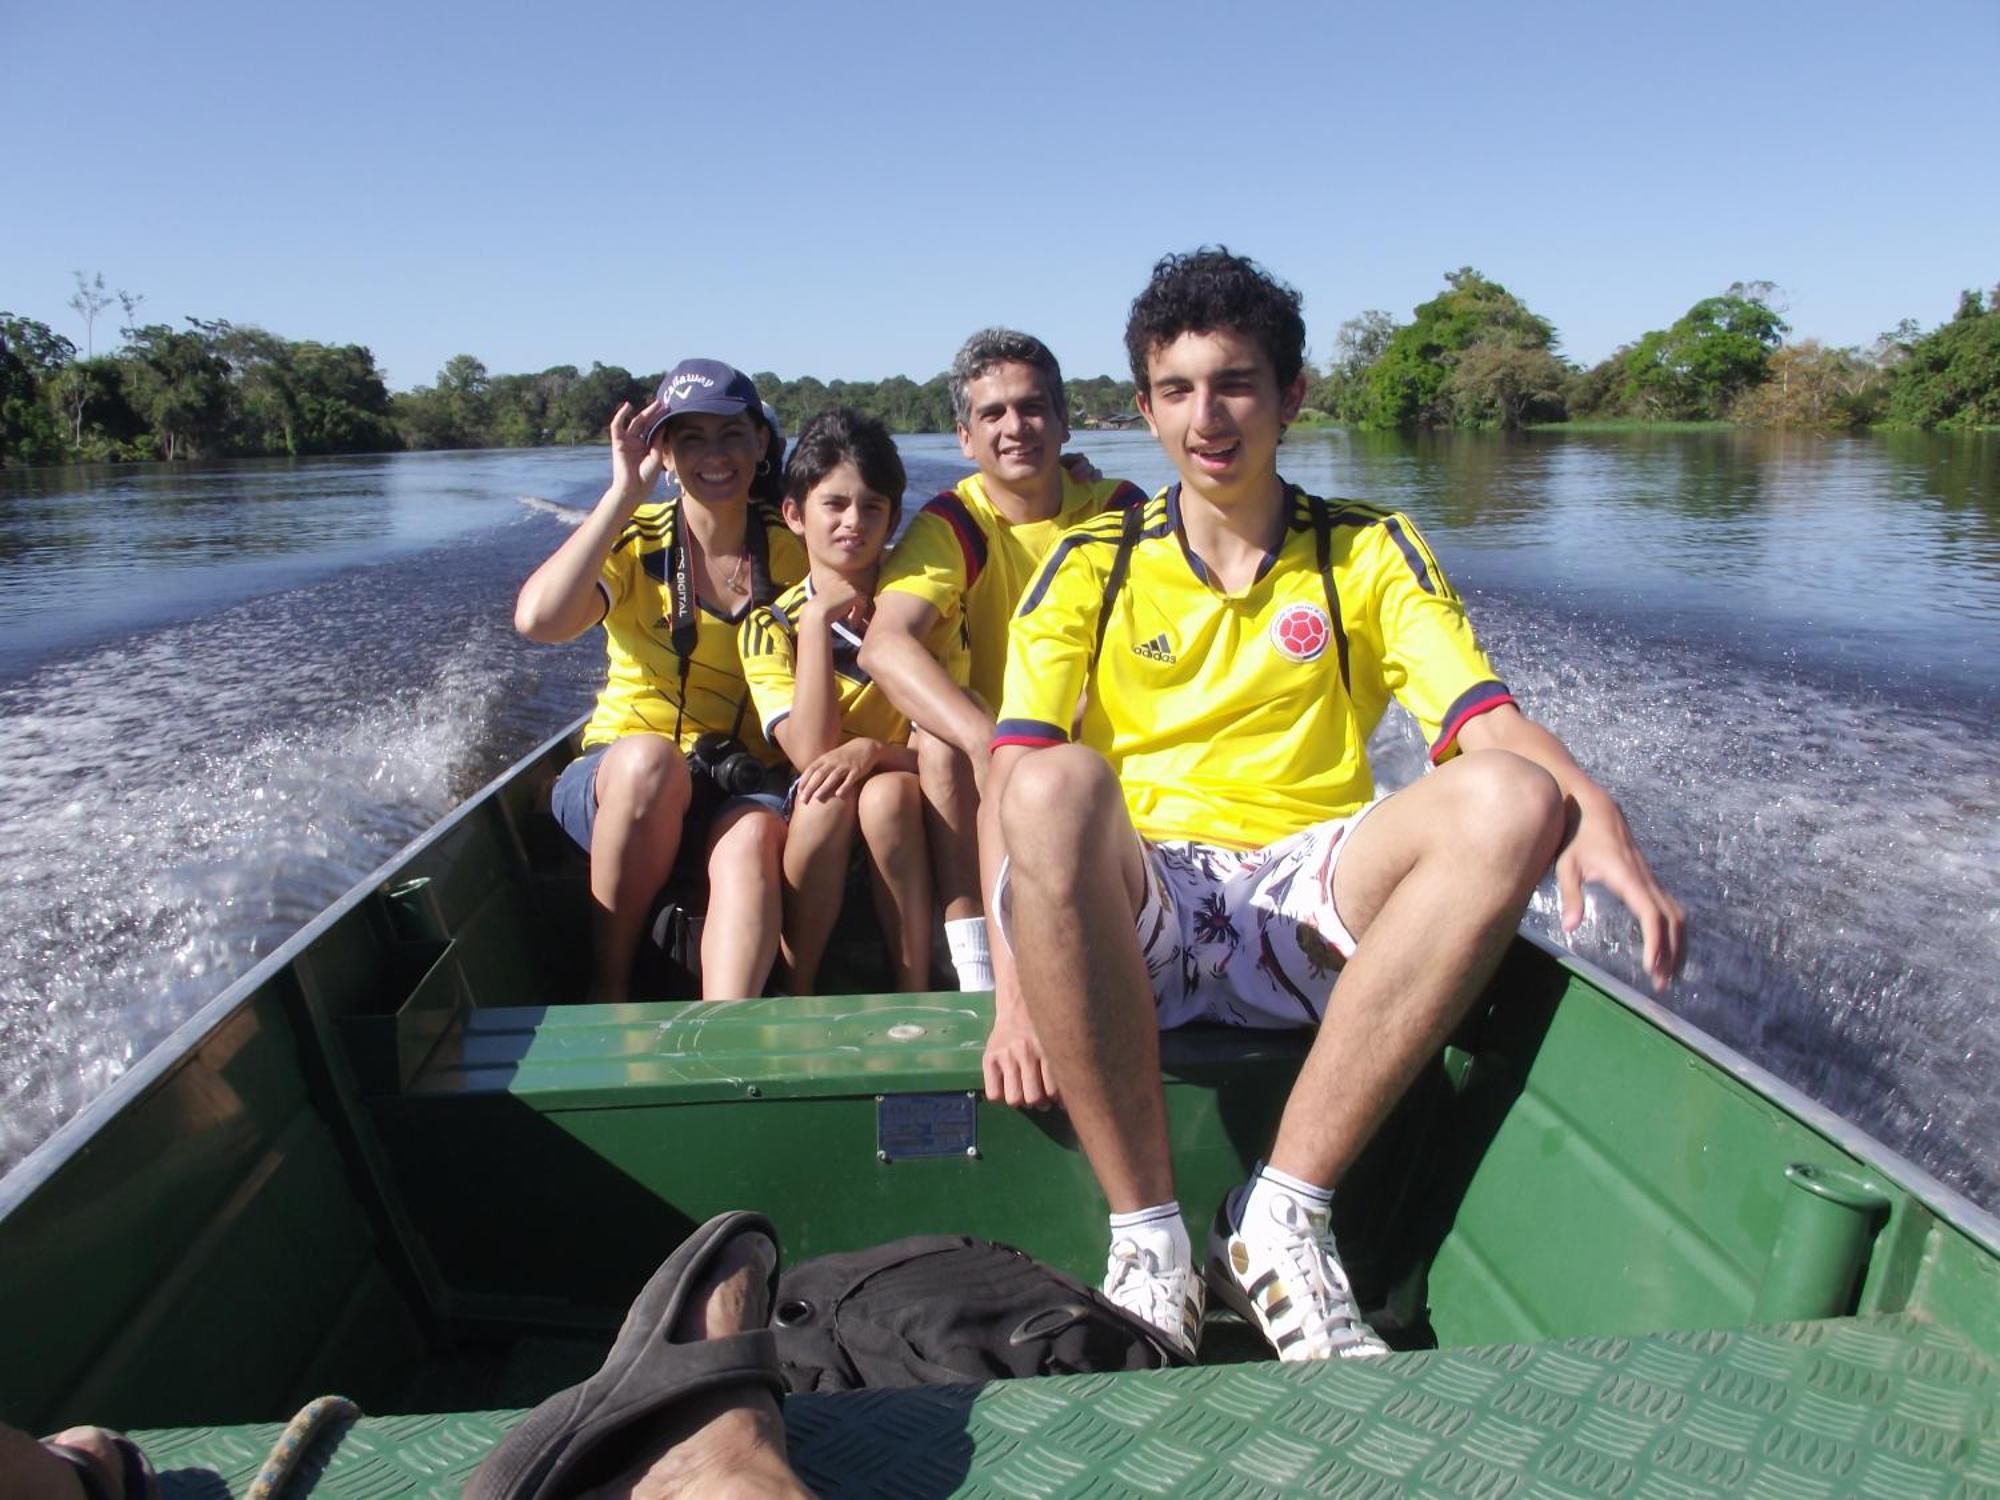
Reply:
x=1283, y=1276
x=1172, y=1300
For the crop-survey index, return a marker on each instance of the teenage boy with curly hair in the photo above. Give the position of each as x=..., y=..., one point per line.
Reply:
x=1209, y=846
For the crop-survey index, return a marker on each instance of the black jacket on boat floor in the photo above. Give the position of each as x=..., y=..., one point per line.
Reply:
x=946, y=1309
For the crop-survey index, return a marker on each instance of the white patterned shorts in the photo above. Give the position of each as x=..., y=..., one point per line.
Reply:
x=1244, y=937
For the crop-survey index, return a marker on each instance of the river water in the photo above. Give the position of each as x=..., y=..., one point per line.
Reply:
x=229, y=692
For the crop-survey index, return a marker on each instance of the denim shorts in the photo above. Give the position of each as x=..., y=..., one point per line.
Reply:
x=574, y=803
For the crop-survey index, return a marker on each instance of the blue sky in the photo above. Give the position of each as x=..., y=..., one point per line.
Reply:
x=846, y=190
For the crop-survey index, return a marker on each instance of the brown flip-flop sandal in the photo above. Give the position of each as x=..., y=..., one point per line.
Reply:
x=586, y=1429
x=134, y=1481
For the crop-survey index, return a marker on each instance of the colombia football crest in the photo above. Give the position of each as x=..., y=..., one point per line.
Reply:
x=1301, y=631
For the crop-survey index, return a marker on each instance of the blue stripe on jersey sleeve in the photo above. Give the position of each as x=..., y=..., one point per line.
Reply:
x=1410, y=554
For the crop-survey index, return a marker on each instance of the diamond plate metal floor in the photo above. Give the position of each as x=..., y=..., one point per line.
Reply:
x=1881, y=1408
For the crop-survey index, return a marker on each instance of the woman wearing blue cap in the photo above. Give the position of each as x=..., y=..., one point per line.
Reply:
x=675, y=762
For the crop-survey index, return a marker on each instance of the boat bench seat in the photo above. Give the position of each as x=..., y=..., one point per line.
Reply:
x=682, y=1051
x=638, y=1121
x=1885, y=1405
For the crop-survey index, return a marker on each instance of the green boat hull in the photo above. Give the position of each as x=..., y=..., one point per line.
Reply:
x=396, y=1162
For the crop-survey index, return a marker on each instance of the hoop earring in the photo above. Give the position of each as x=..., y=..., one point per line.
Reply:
x=763, y=467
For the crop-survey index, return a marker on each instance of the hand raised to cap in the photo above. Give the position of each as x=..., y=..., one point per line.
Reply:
x=634, y=463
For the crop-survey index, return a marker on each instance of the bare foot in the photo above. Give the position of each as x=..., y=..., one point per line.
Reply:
x=729, y=1445
x=29, y=1470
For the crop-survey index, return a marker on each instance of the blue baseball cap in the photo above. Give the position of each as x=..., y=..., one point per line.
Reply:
x=705, y=385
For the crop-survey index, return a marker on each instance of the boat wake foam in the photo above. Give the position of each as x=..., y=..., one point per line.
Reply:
x=569, y=515
x=1839, y=858
x=181, y=803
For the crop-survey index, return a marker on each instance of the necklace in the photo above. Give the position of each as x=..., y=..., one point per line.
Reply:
x=733, y=580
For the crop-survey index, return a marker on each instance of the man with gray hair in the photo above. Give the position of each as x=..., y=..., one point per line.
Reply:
x=960, y=568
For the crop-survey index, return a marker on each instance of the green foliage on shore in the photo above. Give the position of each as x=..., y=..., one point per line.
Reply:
x=1473, y=356
x=1627, y=424
x=209, y=390
x=33, y=359
x=1358, y=344
x=1811, y=386
x=909, y=407
x=468, y=408
x=217, y=390
x=1693, y=370
x=1950, y=377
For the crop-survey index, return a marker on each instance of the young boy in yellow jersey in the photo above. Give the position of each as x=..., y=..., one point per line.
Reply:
x=1208, y=845
x=843, y=496
x=957, y=572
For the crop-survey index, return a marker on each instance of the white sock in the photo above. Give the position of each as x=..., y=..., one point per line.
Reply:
x=1253, y=1199
x=966, y=938
x=1158, y=1229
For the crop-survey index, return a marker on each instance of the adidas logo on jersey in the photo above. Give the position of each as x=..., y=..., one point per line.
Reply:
x=1156, y=649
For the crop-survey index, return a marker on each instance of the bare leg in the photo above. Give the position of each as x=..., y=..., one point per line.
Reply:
x=740, y=938
x=643, y=789
x=892, y=829
x=731, y=1443
x=1432, y=885
x=1076, y=883
x=951, y=822
x=817, y=843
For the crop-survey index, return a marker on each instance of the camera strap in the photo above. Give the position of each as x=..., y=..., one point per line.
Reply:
x=684, y=605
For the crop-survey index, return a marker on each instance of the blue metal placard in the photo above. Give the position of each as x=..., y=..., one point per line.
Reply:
x=913, y=1125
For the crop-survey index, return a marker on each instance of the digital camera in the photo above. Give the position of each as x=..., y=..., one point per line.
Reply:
x=723, y=760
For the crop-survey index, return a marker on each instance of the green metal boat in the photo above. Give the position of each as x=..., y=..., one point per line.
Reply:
x=395, y=1161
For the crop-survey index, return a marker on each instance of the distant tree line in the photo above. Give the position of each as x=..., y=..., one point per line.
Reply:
x=208, y=390
x=909, y=407
x=1477, y=356
x=1473, y=356
x=219, y=390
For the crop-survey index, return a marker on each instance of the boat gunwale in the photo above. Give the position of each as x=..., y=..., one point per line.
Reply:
x=1948, y=1204
x=74, y=1135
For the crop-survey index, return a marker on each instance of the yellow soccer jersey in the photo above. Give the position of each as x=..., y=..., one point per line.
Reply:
x=770, y=661
x=1239, y=720
x=642, y=690
x=969, y=563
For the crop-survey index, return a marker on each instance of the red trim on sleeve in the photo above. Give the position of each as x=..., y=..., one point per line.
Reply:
x=1466, y=716
x=1033, y=733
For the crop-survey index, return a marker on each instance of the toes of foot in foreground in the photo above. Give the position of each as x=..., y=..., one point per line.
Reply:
x=687, y=1401
x=78, y=1463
